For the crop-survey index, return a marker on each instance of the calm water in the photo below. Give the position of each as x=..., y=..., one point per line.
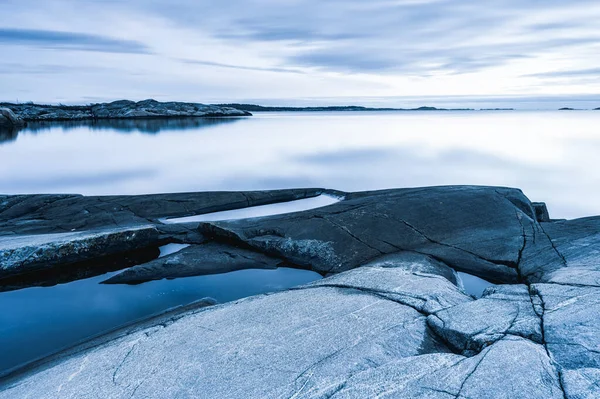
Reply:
x=552, y=156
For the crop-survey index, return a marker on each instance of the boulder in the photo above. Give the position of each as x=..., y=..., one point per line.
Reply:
x=31, y=253
x=8, y=119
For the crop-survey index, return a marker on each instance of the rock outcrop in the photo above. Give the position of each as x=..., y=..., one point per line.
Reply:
x=123, y=109
x=390, y=319
x=8, y=119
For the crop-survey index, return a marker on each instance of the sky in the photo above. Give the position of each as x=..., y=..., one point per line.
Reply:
x=299, y=52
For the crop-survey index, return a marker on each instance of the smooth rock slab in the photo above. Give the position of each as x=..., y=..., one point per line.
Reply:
x=40, y=214
x=478, y=230
x=503, y=310
x=278, y=345
x=311, y=342
x=578, y=242
x=571, y=325
x=427, y=293
x=26, y=254
x=510, y=368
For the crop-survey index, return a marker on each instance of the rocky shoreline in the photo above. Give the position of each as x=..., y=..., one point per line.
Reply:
x=123, y=109
x=389, y=319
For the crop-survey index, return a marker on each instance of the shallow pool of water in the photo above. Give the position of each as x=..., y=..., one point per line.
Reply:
x=473, y=285
x=40, y=321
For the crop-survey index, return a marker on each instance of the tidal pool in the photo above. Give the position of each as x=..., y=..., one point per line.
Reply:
x=39, y=321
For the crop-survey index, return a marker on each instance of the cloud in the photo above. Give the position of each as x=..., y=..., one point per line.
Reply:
x=69, y=40
x=240, y=49
x=576, y=73
x=242, y=67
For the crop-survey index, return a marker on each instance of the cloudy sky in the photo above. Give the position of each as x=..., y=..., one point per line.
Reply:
x=391, y=52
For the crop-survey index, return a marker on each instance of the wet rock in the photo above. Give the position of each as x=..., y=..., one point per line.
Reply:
x=38, y=214
x=196, y=260
x=478, y=230
x=8, y=119
x=123, y=109
x=30, y=253
x=425, y=292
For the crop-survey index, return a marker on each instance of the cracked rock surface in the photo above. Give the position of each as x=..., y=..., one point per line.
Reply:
x=389, y=320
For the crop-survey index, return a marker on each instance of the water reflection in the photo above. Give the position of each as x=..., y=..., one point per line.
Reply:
x=552, y=156
x=151, y=126
x=39, y=321
x=8, y=134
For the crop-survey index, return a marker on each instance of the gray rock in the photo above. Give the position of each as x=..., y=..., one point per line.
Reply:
x=388, y=320
x=510, y=368
x=31, y=253
x=415, y=262
x=310, y=342
x=578, y=243
x=8, y=119
x=581, y=383
x=120, y=110
x=571, y=329
x=478, y=230
x=503, y=310
x=541, y=211
x=73, y=234
x=197, y=260
x=41, y=214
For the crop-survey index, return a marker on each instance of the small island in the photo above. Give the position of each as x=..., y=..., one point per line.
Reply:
x=123, y=109
x=334, y=108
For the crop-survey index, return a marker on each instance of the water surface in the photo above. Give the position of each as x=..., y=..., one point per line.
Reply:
x=552, y=156
x=42, y=320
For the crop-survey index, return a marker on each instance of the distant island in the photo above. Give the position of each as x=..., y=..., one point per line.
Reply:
x=336, y=108
x=123, y=109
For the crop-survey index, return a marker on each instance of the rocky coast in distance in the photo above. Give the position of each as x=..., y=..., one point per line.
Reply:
x=123, y=109
x=389, y=319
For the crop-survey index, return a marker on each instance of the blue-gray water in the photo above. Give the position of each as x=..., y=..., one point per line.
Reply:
x=552, y=156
